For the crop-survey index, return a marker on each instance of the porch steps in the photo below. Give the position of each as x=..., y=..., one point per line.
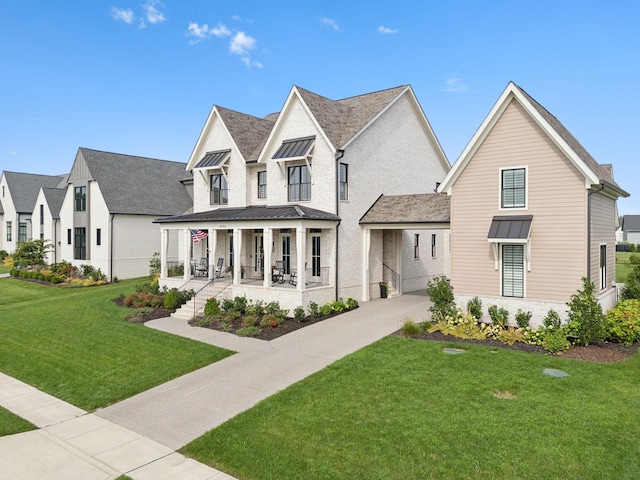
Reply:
x=392, y=292
x=196, y=303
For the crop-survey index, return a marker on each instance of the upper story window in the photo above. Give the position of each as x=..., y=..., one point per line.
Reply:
x=262, y=184
x=80, y=195
x=41, y=214
x=22, y=232
x=299, y=183
x=9, y=232
x=219, y=190
x=513, y=188
x=344, y=181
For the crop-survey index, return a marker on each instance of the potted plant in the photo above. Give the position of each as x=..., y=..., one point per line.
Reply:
x=384, y=288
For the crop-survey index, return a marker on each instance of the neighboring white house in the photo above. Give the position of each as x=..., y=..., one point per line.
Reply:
x=106, y=217
x=46, y=220
x=18, y=194
x=631, y=229
x=288, y=193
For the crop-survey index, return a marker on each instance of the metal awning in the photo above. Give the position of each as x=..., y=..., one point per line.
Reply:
x=213, y=159
x=510, y=229
x=295, y=148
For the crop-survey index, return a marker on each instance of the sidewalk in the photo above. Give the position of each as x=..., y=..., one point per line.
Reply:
x=139, y=436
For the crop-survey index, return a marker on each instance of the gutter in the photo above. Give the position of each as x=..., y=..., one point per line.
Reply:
x=339, y=156
x=591, y=192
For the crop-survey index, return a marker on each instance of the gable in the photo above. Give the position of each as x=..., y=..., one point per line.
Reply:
x=24, y=188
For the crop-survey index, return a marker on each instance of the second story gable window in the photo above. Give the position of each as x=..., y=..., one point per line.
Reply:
x=219, y=190
x=9, y=233
x=22, y=232
x=344, y=181
x=513, y=188
x=262, y=184
x=299, y=183
x=80, y=196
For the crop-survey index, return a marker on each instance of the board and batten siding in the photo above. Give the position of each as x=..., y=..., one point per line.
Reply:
x=556, y=197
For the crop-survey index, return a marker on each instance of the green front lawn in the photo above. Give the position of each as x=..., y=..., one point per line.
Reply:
x=11, y=424
x=403, y=409
x=74, y=344
x=623, y=267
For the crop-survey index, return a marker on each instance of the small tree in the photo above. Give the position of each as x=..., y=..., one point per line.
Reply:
x=586, y=321
x=631, y=288
x=440, y=292
x=31, y=252
x=154, y=265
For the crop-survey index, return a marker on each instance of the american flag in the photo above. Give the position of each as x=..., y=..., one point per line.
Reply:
x=198, y=235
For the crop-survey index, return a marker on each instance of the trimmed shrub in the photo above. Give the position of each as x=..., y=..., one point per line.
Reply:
x=172, y=298
x=440, y=292
x=523, y=318
x=298, y=314
x=499, y=316
x=314, y=310
x=586, y=320
x=552, y=319
x=212, y=307
x=474, y=306
x=352, y=303
x=623, y=322
x=271, y=321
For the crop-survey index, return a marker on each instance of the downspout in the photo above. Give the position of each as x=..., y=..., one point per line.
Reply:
x=111, y=248
x=55, y=241
x=591, y=192
x=339, y=155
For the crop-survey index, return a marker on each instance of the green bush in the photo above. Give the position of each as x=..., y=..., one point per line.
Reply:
x=552, y=319
x=171, y=298
x=523, y=318
x=3, y=254
x=555, y=340
x=631, y=288
x=250, y=320
x=271, y=321
x=299, y=314
x=410, y=329
x=499, y=316
x=623, y=322
x=338, y=306
x=440, y=292
x=255, y=308
x=474, y=306
x=314, y=310
x=250, y=331
x=352, y=303
x=212, y=307
x=586, y=321
x=326, y=309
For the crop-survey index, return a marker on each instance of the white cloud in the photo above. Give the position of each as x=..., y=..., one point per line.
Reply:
x=453, y=85
x=251, y=63
x=220, y=31
x=152, y=12
x=386, y=30
x=242, y=43
x=238, y=18
x=330, y=23
x=120, y=14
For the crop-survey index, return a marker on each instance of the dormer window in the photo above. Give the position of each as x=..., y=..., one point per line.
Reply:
x=291, y=154
x=299, y=183
x=219, y=190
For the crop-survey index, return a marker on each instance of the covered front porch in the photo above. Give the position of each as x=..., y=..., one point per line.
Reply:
x=271, y=259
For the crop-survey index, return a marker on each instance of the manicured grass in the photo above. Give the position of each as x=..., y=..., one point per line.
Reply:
x=11, y=424
x=403, y=409
x=623, y=267
x=74, y=344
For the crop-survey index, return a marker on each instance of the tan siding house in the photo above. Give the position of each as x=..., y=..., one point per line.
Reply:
x=531, y=213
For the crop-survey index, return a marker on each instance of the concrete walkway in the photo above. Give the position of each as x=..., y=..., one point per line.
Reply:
x=138, y=436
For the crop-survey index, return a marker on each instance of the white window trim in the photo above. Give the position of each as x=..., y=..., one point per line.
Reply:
x=526, y=189
x=602, y=287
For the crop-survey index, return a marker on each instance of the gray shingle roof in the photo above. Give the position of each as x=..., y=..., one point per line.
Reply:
x=24, y=188
x=248, y=132
x=631, y=223
x=604, y=172
x=418, y=208
x=256, y=212
x=342, y=119
x=138, y=185
x=54, y=197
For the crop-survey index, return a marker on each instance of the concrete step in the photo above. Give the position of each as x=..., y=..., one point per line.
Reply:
x=185, y=312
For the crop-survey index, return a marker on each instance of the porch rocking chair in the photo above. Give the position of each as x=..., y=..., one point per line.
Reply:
x=277, y=275
x=293, y=278
x=202, y=268
x=219, y=265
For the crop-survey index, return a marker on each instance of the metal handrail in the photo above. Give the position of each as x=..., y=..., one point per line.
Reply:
x=195, y=311
x=395, y=276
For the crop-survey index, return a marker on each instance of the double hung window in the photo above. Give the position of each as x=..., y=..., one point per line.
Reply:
x=219, y=190
x=80, y=196
x=299, y=183
x=262, y=184
x=513, y=188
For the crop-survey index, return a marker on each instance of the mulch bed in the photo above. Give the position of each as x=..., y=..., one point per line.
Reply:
x=145, y=317
x=602, y=352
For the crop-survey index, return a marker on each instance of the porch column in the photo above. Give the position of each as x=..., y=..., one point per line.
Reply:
x=301, y=244
x=366, y=246
x=237, y=255
x=268, y=249
x=186, y=253
x=164, y=251
x=213, y=243
x=398, y=260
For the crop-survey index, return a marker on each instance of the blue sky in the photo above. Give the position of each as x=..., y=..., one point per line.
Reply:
x=139, y=77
